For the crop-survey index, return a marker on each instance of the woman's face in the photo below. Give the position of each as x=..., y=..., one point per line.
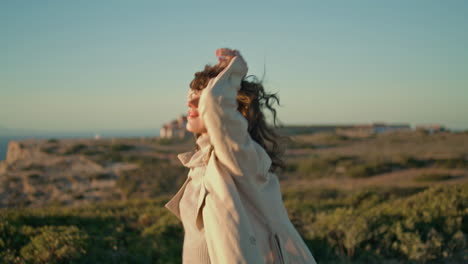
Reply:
x=194, y=122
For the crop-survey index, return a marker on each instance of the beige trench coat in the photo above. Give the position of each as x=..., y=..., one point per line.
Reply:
x=240, y=203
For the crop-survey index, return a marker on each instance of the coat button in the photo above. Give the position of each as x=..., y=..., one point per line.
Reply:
x=252, y=240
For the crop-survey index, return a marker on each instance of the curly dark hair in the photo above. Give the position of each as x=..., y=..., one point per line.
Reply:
x=251, y=99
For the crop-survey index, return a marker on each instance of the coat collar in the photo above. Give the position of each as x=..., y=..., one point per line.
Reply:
x=191, y=159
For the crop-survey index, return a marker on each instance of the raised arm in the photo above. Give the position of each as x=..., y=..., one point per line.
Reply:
x=228, y=128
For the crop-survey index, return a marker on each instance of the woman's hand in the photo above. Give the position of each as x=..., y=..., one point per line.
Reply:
x=225, y=56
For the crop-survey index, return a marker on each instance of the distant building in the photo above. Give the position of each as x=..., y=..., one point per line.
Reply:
x=433, y=128
x=369, y=129
x=382, y=127
x=175, y=128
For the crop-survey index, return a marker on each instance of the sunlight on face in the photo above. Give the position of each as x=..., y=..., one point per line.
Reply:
x=195, y=123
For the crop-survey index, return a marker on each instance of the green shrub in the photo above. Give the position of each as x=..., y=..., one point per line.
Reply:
x=102, y=176
x=299, y=144
x=75, y=149
x=428, y=177
x=92, y=152
x=34, y=166
x=162, y=240
x=361, y=171
x=291, y=167
x=385, y=225
x=49, y=149
x=370, y=168
x=166, y=141
x=453, y=163
x=55, y=244
x=110, y=156
x=314, y=168
x=103, y=232
x=407, y=161
x=35, y=178
x=318, y=167
x=142, y=160
x=417, y=228
x=11, y=239
x=333, y=138
x=12, y=179
x=121, y=147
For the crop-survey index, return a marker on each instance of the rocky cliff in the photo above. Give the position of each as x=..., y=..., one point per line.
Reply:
x=39, y=172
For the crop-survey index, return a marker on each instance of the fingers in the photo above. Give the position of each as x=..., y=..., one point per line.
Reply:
x=225, y=55
x=223, y=52
x=226, y=52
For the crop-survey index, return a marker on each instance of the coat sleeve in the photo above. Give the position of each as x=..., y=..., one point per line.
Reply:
x=228, y=128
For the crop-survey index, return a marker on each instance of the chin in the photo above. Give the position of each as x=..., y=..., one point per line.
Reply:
x=195, y=128
x=191, y=129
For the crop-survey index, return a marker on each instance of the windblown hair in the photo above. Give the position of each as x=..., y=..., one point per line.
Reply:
x=252, y=100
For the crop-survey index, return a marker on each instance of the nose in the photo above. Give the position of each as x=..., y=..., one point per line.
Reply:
x=193, y=102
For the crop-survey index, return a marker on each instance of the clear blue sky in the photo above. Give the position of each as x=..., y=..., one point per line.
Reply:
x=126, y=65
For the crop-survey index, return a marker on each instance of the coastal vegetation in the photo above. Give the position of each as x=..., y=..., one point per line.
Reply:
x=386, y=198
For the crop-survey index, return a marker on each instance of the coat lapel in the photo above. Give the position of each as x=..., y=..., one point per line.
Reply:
x=191, y=159
x=173, y=204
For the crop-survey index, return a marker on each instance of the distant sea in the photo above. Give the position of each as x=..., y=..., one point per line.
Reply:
x=4, y=140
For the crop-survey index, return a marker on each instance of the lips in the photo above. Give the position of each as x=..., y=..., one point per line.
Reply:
x=192, y=114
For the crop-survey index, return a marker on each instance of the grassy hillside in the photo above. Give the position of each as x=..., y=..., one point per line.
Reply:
x=398, y=197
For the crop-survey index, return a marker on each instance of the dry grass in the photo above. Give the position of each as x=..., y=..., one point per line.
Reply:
x=388, y=147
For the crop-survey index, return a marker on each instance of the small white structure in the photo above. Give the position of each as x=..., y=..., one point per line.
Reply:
x=175, y=128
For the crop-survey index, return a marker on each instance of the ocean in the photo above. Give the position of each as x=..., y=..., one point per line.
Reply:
x=3, y=147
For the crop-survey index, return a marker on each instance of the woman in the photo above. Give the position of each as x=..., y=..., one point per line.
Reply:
x=230, y=204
